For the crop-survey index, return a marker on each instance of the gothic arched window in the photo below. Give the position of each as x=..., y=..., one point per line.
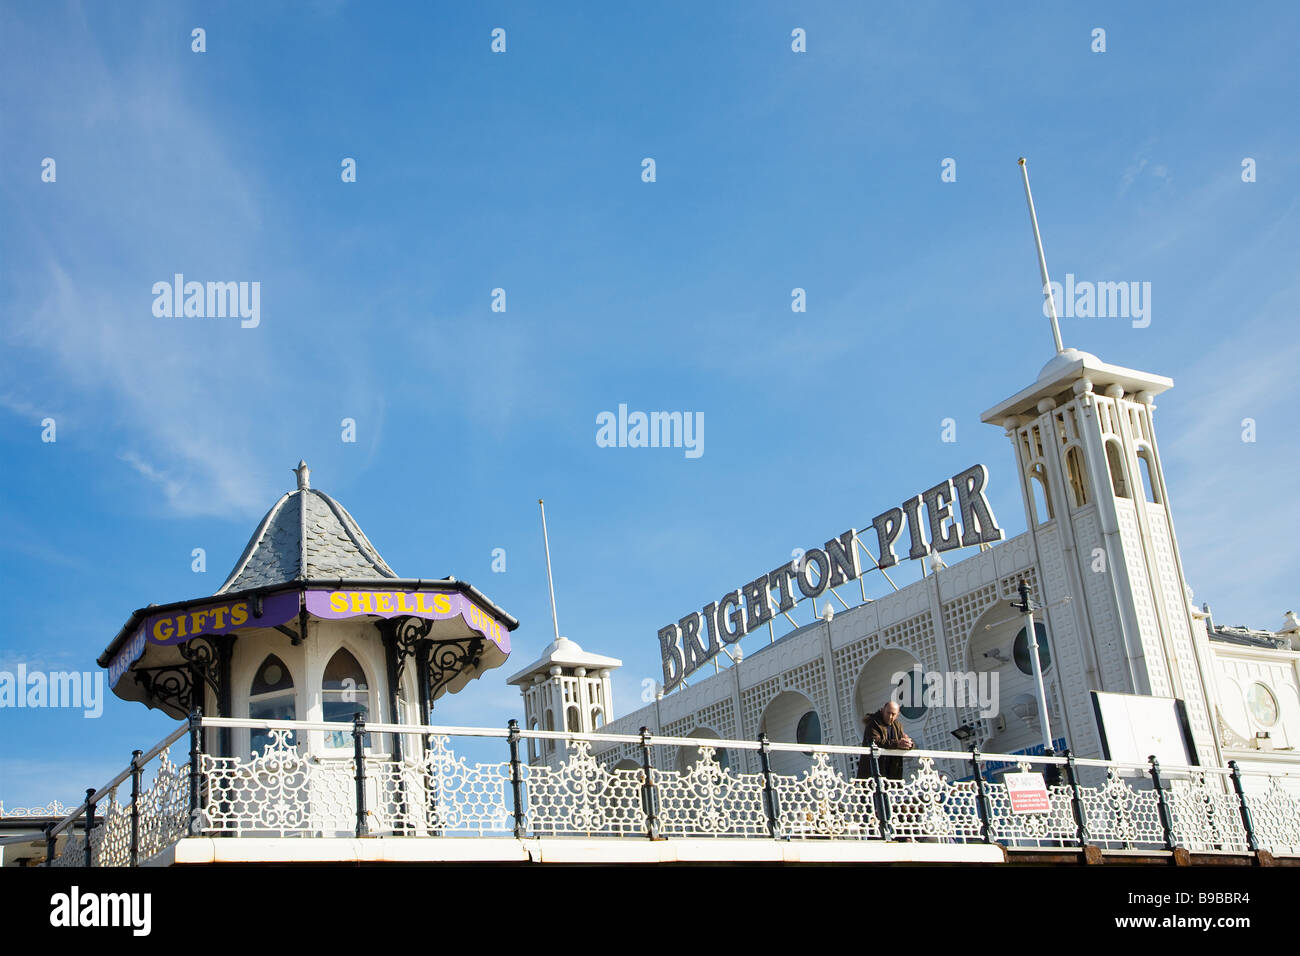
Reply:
x=271, y=697
x=343, y=693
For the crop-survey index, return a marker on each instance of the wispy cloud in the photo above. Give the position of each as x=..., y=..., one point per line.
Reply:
x=1230, y=497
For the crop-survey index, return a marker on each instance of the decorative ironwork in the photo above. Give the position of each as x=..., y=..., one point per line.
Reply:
x=403, y=635
x=284, y=791
x=204, y=656
x=169, y=684
x=1206, y=815
x=708, y=800
x=1054, y=827
x=582, y=798
x=1276, y=813
x=822, y=803
x=51, y=809
x=173, y=684
x=163, y=811
x=1120, y=816
x=447, y=659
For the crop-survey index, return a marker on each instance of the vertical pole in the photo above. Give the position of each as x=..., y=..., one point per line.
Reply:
x=981, y=796
x=769, y=793
x=882, y=799
x=136, y=773
x=1246, y=821
x=359, y=758
x=90, y=824
x=51, y=842
x=1026, y=607
x=196, y=758
x=1166, y=821
x=1076, y=799
x=516, y=778
x=648, y=796
x=1042, y=261
x=550, y=582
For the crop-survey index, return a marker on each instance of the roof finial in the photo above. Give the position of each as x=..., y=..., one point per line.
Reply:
x=304, y=475
x=1042, y=262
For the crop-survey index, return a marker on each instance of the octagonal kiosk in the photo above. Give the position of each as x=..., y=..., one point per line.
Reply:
x=313, y=625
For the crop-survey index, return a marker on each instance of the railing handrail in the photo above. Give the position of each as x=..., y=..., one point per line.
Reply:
x=108, y=788
x=774, y=804
x=716, y=742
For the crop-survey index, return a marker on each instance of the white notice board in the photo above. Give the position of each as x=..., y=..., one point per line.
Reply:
x=1133, y=727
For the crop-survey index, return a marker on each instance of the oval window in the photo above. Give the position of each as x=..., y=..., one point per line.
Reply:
x=1021, y=651
x=1263, y=705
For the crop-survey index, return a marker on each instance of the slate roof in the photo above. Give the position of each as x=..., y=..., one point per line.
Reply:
x=1248, y=637
x=306, y=536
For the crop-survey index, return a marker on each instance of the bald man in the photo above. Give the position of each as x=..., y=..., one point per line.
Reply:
x=886, y=730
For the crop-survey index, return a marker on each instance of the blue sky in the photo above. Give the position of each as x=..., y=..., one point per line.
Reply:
x=522, y=171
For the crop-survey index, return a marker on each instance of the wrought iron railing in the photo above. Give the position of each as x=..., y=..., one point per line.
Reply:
x=125, y=833
x=289, y=790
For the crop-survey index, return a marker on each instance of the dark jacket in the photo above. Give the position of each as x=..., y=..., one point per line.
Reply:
x=887, y=736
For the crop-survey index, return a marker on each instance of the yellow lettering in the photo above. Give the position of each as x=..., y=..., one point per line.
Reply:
x=238, y=615
x=219, y=616
x=384, y=603
x=180, y=625
x=162, y=629
x=419, y=603
x=441, y=604
x=338, y=602
x=360, y=602
x=401, y=602
x=196, y=621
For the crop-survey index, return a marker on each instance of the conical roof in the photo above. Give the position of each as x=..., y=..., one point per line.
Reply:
x=306, y=536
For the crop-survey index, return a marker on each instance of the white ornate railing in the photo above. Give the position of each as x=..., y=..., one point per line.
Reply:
x=286, y=791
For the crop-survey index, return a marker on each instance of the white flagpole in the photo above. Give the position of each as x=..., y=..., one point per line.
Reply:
x=1042, y=262
x=546, y=542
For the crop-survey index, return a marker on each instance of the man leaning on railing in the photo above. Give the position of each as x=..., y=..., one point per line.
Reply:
x=886, y=731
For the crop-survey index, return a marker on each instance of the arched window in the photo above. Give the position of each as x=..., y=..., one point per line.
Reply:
x=1075, y=476
x=271, y=697
x=1115, y=462
x=597, y=718
x=1042, y=501
x=343, y=693
x=532, y=741
x=550, y=725
x=1147, y=473
x=573, y=719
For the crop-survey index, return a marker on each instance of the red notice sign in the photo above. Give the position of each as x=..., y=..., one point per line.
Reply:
x=1028, y=792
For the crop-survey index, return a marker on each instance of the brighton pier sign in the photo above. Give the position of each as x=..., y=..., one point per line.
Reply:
x=698, y=637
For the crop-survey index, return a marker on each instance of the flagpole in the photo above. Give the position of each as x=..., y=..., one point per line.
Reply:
x=1042, y=261
x=546, y=543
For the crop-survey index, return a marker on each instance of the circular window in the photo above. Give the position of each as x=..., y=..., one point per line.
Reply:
x=1021, y=650
x=909, y=691
x=1263, y=705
